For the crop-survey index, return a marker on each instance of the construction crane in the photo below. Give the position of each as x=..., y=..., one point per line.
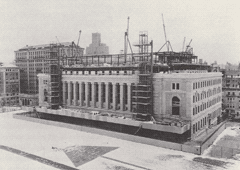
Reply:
x=126, y=42
x=76, y=46
x=79, y=37
x=183, y=44
x=165, y=34
x=167, y=43
x=187, y=48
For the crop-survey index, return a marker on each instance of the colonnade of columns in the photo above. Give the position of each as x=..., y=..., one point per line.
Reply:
x=102, y=95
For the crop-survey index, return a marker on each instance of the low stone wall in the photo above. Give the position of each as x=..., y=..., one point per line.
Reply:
x=191, y=149
x=212, y=138
x=138, y=139
x=9, y=109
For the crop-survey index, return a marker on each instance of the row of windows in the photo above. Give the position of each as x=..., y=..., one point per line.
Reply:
x=20, y=58
x=38, y=52
x=11, y=69
x=230, y=106
x=38, y=64
x=98, y=72
x=233, y=93
x=237, y=86
x=206, y=105
x=200, y=124
x=37, y=57
x=12, y=94
x=203, y=122
x=231, y=99
x=197, y=97
x=21, y=54
x=207, y=83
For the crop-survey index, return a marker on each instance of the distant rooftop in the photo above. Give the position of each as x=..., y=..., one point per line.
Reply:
x=45, y=46
x=7, y=65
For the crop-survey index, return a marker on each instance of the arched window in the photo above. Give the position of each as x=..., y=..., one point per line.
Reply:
x=175, y=106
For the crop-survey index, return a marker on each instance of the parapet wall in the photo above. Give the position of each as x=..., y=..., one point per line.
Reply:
x=133, y=138
x=196, y=149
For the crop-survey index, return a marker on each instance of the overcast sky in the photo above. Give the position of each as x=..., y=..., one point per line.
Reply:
x=213, y=25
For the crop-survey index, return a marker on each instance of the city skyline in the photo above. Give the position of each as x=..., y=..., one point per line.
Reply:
x=212, y=26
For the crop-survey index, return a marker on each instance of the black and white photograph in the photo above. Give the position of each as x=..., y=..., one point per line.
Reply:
x=119, y=85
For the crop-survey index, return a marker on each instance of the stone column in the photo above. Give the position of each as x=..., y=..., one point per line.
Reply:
x=129, y=98
x=114, y=89
x=64, y=93
x=74, y=93
x=107, y=95
x=94, y=91
x=121, y=97
x=87, y=84
x=100, y=95
x=80, y=93
x=69, y=93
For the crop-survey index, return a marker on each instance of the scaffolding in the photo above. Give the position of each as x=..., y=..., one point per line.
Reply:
x=54, y=92
x=142, y=93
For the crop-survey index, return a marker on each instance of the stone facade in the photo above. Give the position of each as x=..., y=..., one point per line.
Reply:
x=231, y=92
x=44, y=80
x=198, y=97
x=185, y=96
x=9, y=85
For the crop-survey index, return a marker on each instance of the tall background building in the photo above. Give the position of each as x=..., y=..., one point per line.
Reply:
x=231, y=92
x=96, y=47
x=33, y=60
x=9, y=85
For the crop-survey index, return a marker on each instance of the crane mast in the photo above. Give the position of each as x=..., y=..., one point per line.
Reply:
x=165, y=34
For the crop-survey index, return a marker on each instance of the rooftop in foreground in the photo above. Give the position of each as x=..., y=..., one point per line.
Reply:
x=57, y=146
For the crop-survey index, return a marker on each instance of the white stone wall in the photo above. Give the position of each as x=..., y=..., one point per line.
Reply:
x=44, y=80
x=163, y=94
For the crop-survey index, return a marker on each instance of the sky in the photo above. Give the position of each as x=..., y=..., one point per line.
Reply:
x=213, y=25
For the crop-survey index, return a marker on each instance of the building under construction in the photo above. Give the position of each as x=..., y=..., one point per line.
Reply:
x=169, y=90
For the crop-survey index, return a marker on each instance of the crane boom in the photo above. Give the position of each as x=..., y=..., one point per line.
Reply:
x=79, y=37
x=183, y=43
x=165, y=34
x=188, y=45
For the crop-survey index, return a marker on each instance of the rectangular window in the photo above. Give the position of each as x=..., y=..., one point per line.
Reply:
x=177, y=86
x=173, y=85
